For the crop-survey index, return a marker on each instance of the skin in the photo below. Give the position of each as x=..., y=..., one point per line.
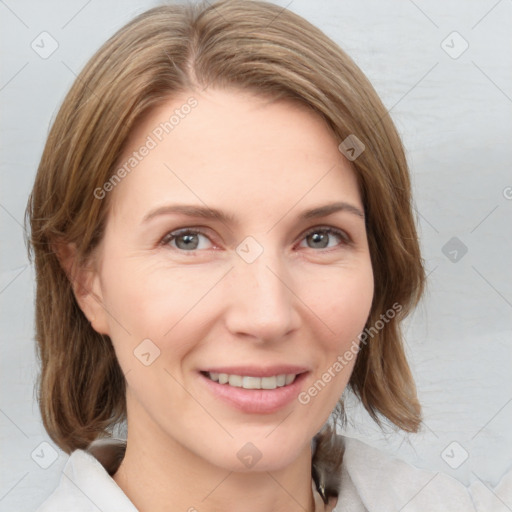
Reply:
x=264, y=163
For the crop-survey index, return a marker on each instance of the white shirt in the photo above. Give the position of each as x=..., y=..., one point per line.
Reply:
x=371, y=481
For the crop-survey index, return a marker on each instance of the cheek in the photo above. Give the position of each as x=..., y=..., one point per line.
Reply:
x=342, y=301
x=155, y=303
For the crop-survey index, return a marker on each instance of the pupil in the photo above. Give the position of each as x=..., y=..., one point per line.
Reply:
x=319, y=240
x=187, y=241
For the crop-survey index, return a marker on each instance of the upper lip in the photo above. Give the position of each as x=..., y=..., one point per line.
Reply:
x=257, y=371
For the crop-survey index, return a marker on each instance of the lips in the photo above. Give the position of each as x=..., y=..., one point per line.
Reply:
x=255, y=390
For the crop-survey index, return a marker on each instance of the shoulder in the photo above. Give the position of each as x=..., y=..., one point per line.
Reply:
x=373, y=480
x=86, y=486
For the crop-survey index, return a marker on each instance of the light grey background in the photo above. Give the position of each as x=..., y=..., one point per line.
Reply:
x=455, y=116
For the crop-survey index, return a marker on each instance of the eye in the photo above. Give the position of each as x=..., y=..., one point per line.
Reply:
x=324, y=238
x=187, y=240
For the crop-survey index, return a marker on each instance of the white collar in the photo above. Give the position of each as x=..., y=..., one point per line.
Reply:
x=371, y=481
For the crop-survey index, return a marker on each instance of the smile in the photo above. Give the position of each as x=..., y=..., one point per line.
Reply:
x=255, y=389
x=249, y=382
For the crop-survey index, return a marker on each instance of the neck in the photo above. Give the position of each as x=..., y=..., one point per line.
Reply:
x=157, y=472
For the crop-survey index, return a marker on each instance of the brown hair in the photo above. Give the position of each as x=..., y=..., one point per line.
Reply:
x=167, y=50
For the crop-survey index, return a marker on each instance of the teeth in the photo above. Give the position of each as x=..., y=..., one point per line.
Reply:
x=250, y=382
x=290, y=377
x=269, y=382
x=235, y=380
x=247, y=382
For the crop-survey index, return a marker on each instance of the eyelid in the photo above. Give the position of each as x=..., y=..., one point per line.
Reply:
x=172, y=235
x=347, y=239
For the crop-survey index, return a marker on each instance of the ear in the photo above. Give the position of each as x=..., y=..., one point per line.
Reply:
x=86, y=284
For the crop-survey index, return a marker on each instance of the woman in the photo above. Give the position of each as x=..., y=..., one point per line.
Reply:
x=223, y=240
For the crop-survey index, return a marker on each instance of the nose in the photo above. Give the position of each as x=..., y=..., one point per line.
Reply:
x=262, y=304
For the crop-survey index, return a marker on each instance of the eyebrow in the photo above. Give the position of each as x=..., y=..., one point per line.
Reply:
x=328, y=209
x=191, y=211
x=224, y=217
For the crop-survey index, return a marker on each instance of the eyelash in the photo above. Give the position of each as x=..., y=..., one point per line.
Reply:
x=344, y=237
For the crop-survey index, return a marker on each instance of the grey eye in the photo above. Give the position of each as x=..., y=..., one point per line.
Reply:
x=318, y=240
x=188, y=240
x=323, y=238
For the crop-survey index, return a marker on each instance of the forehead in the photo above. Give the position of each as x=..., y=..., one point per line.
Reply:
x=226, y=147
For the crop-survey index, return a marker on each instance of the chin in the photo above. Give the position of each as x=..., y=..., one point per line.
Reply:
x=257, y=454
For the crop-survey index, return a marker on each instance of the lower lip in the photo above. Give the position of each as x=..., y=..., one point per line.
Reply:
x=256, y=401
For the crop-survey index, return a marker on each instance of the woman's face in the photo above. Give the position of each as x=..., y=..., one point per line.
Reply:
x=235, y=249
